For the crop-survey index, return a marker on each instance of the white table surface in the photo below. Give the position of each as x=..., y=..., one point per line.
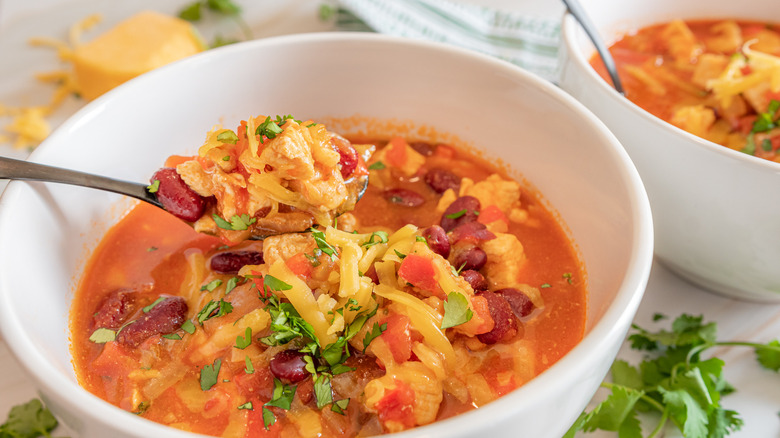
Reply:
x=758, y=390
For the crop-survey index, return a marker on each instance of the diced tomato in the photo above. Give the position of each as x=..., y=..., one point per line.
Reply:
x=746, y=124
x=419, y=272
x=398, y=336
x=396, y=152
x=398, y=405
x=258, y=384
x=492, y=213
x=114, y=360
x=746, y=70
x=481, y=321
x=256, y=426
x=257, y=279
x=300, y=266
x=175, y=160
x=497, y=372
x=444, y=151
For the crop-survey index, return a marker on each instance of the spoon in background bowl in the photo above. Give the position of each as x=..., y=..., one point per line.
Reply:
x=575, y=9
x=26, y=171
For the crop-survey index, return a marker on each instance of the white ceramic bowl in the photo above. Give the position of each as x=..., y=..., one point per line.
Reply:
x=47, y=230
x=715, y=210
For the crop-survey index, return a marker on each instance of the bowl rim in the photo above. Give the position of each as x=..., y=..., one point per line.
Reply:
x=617, y=314
x=570, y=30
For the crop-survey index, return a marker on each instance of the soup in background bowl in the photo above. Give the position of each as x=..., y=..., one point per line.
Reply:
x=362, y=86
x=713, y=222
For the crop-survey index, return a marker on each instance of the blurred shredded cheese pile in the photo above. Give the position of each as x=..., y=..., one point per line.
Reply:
x=747, y=72
x=141, y=43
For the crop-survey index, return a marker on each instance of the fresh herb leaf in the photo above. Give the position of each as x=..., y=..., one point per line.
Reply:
x=765, y=121
x=154, y=186
x=188, y=327
x=214, y=309
x=151, y=249
x=249, y=369
x=339, y=406
x=769, y=359
x=750, y=145
x=227, y=136
x=269, y=129
x=282, y=396
x=269, y=419
x=545, y=285
x=191, y=12
x=151, y=306
x=102, y=335
x=375, y=238
x=275, y=284
x=209, y=375
x=322, y=243
x=248, y=406
x=210, y=286
x=172, y=336
x=375, y=332
x=232, y=283
x=28, y=420
x=456, y=215
x=456, y=311
x=246, y=340
x=378, y=165
x=399, y=254
x=568, y=277
x=237, y=223
x=323, y=393
x=222, y=223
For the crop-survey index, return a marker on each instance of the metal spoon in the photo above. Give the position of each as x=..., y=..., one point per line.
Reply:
x=27, y=171
x=575, y=8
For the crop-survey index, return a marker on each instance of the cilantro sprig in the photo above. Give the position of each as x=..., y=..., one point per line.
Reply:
x=673, y=380
x=236, y=223
x=28, y=420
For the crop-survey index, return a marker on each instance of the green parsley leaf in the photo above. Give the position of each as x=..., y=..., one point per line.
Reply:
x=246, y=340
x=154, y=186
x=323, y=393
x=102, y=335
x=226, y=7
x=172, y=336
x=375, y=238
x=240, y=223
x=151, y=249
x=456, y=310
x=269, y=419
x=322, y=243
x=750, y=145
x=339, y=406
x=28, y=420
x=214, y=309
x=227, y=136
x=142, y=407
x=765, y=121
x=283, y=395
x=378, y=165
x=456, y=215
x=249, y=369
x=232, y=283
x=545, y=285
x=191, y=12
x=375, y=332
x=768, y=358
x=222, y=223
x=188, y=327
x=248, y=406
x=268, y=128
x=209, y=375
x=275, y=284
x=568, y=277
x=399, y=254
x=210, y=286
x=151, y=306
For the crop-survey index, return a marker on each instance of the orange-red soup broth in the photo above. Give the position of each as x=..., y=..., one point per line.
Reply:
x=717, y=79
x=210, y=353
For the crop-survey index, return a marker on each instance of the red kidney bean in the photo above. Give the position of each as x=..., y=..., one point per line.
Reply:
x=463, y=210
x=475, y=279
x=289, y=365
x=177, y=197
x=230, y=262
x=505, y=326
x=164, y=318
x=371, y=273
x=348, y=161
x=519, y=301
x=437, y=240
x=474, y=231
x=468, y=257
x=114, y=310
x=423, y=148
x=404, y=197
x=440, y=180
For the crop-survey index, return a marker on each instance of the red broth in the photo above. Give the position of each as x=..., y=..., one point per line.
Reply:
x=187, y=380
x=678, y=72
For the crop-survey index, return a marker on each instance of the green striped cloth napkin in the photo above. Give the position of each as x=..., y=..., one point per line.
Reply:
x=522, y=39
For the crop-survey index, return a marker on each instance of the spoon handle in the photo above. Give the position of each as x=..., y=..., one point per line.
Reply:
x=576, y=9
x=27, y=171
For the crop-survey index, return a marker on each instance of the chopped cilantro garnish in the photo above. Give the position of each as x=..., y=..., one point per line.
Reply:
x=269, y=129
x=282, y=398
x=188, y=327
x=244, y=341
x=456, y=311
x=172, y=336
x=210, y=286
x=154, y=186
x=421, y=239
x=323, y=393
x=151, y=249
x=568, y=277
x=232, y=283
x=399, y=254
x=102, y=335
x=765, y=121
x=377, y=165
x=247, y=406
x=249, y=369
x=375, y=332
x=456, y=215
x=545, y=285
x=339, y=406
x=151, y=306
x=375, y=238
x=237, y=223
x=322, y=243
x=214, y=309
x=209, y=375
x=227, y=136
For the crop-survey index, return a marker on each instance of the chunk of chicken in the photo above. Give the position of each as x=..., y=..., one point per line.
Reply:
x=505, y=256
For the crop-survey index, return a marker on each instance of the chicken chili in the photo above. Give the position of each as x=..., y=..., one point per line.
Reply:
x=448, y=286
